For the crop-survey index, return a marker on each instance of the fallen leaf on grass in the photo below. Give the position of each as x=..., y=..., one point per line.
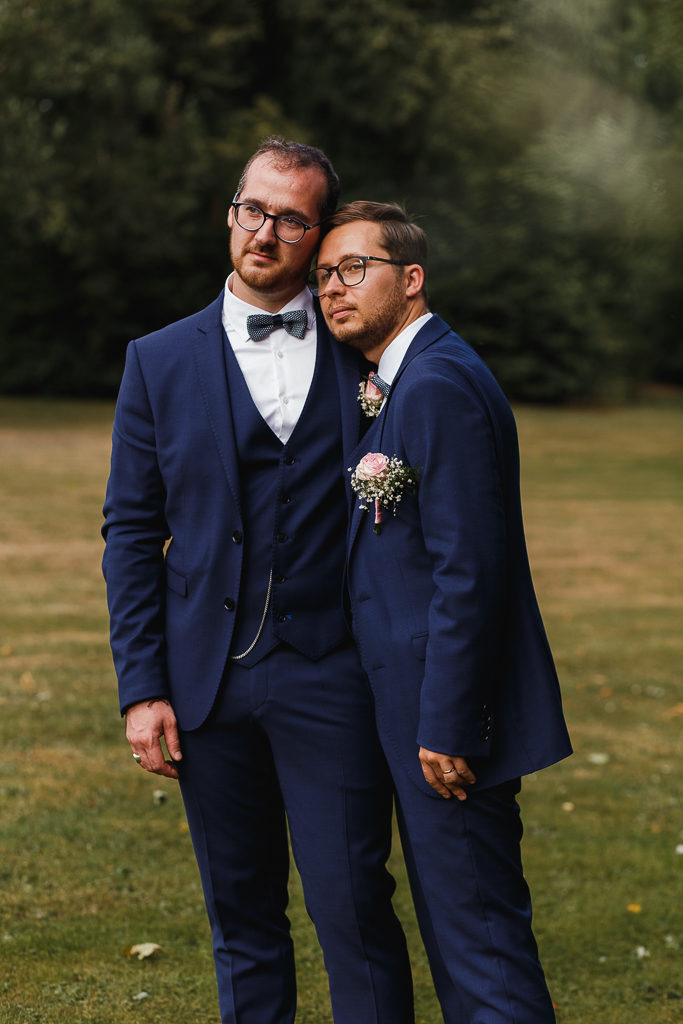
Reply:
x=679, y=848
x=142, y=950
x=670, y=713
x=641, y=952
x=141, y=995
x=183, y=827
x=598, y=758
x=634, y=908
x=159, y=797
x=568, y=806
x=27, y=682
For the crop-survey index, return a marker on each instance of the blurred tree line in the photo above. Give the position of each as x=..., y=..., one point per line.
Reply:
x=539, y=141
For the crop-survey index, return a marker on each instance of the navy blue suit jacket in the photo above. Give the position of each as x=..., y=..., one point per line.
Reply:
x=174, y=473
x=443, y=603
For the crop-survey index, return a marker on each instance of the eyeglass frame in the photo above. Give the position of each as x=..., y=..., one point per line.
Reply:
x=335, y=270
x=275, y=218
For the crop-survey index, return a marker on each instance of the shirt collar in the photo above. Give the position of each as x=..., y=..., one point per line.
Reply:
x=236, y=311
x=393, y=355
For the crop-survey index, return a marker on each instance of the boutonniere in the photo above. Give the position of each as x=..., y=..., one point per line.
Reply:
x=384, y=481
x=370, y=397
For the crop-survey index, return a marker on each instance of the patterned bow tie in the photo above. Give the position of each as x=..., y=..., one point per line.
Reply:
x=260, y=325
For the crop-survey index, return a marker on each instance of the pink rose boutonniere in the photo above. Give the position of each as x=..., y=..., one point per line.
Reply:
x=384, y=481
x=370, y=397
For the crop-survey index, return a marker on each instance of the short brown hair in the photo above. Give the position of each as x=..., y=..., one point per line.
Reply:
x=296, y=154
x=402, y=239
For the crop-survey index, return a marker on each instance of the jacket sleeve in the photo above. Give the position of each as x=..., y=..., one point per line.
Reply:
x=463, y=521
x=135, y=532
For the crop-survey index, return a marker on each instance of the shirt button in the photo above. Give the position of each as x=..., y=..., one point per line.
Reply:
x=279, y=355
x=282, y=537
x=237, y=536
x=282, y=618
x=279, y=578
x=289, y=461
x=285, y=400
x=229, y=604
x=285, y=499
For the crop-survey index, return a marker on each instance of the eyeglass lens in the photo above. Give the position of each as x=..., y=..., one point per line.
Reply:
x=350, y=271
x=251, y=218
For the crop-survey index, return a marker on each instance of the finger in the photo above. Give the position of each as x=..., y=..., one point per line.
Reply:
x=168, y=770
x=172, y=740
x=464, y=770
x=152, y=755
x=433, y=780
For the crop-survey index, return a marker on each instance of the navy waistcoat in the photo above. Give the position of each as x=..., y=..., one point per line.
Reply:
x=294, y=511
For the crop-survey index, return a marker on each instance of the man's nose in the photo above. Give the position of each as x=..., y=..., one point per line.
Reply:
x=266, y=233
x=334, y=286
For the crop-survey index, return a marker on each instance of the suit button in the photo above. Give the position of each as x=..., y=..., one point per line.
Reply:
x=289, y=461
x=282, y=537
x=285, y=499
x=237, y=536
x=229, y=604
x=484, y=735
x=282, y=618
x=279, y=578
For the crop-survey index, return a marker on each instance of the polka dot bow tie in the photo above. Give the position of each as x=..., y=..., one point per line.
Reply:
x=260, y=325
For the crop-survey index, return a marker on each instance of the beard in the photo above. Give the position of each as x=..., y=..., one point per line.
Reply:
x=274, y=277
x=369, y=329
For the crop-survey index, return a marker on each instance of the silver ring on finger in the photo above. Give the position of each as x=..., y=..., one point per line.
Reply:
x=137, y=758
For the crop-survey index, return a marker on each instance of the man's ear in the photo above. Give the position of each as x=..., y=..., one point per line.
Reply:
x=415, y=279
x=231, y=217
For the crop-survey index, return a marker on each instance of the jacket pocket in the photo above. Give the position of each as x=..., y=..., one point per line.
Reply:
x=420, y=645
x=176, y=582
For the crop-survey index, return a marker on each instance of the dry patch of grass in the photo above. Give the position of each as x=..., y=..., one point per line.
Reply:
x=91, y=862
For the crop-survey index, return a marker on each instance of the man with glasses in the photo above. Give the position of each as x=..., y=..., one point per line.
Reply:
x=444, y=613
x=229, y=441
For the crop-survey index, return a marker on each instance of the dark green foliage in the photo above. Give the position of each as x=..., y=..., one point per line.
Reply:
x=539, y=142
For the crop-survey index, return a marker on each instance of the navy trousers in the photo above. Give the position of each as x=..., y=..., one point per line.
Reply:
x=292, y=740
x=473, y=904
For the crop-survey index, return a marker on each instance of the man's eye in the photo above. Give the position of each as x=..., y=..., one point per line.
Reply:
x=289, y=222
x=252, y=211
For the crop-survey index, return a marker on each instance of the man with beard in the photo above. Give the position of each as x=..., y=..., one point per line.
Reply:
x=228, y=441
x=445, y=616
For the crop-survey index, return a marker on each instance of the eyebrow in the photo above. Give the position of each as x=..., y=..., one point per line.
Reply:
x=285, y=213
x=348, y=256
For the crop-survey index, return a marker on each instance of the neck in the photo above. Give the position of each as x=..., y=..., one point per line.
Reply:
x=271, y=301
x=413, y=312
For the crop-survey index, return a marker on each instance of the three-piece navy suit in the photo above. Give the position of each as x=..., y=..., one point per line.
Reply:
x=287, y=734
x=450, y=635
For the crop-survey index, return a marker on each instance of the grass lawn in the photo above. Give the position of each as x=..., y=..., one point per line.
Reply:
x=92, y=860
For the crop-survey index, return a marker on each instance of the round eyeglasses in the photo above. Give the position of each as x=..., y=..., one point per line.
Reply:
x=288, y=229
x=350, y=272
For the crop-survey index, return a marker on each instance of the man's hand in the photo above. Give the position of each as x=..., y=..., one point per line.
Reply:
x=146, y=723
x=447, y=775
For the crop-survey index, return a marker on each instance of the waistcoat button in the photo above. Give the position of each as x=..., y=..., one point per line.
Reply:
x=282, y=618
x=279, y=578
x=237, y=536
x=285, y=499
x=289, y=461
x=229, y=604
x=282, y=537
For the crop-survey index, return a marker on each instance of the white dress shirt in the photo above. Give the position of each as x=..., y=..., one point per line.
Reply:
x=392, y=357
x=279, y=369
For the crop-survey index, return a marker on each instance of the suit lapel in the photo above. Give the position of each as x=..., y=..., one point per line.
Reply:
x=366, y=445
x=210, y=361
x=348, y=377
x=372, y=441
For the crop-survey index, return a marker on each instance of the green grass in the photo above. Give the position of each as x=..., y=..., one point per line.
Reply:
x=90, y=863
